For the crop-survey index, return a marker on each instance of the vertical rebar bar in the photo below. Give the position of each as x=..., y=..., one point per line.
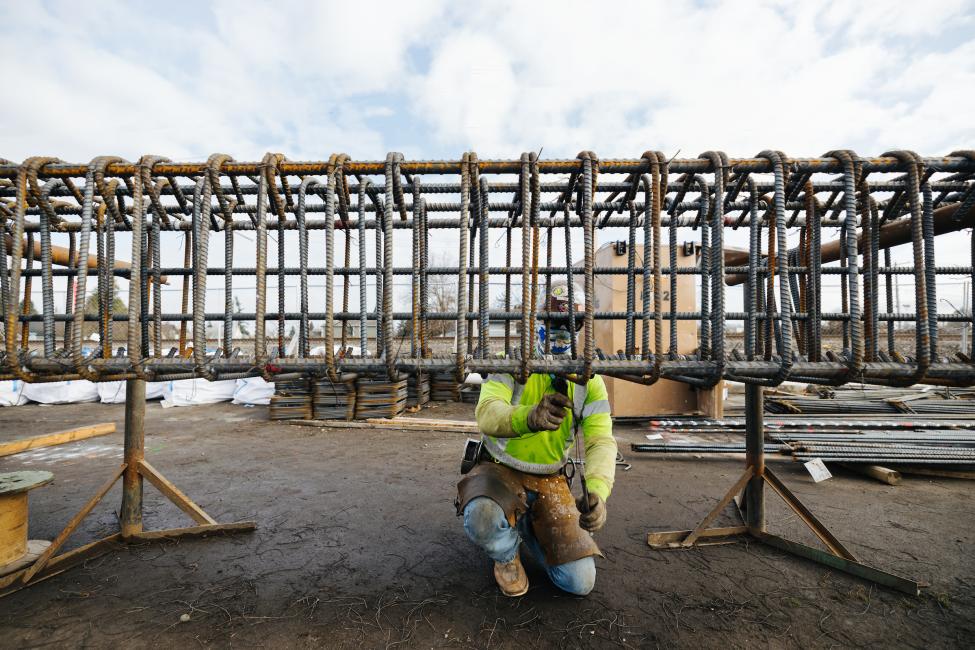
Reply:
x=363, y=303
x=483, y=282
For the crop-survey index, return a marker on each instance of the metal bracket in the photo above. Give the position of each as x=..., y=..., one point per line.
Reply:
x=750, y=487
x=132, y=471
x=836, y=558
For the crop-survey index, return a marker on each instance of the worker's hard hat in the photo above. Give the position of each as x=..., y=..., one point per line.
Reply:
x=558, y=300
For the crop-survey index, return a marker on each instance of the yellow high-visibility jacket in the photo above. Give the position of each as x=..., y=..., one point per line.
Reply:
x=502, y=416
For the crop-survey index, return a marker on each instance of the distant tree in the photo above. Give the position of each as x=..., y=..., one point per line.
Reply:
x=31, y=309
x=441, y=298
x=92, y=308
x=239, y=309
x=34, y=327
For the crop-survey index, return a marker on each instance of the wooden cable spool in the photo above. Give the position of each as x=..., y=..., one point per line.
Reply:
x=16, y=551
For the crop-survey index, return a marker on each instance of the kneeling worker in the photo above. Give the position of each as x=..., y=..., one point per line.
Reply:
x=519, y=491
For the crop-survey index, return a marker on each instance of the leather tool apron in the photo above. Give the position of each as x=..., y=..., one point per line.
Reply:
x=554, y=516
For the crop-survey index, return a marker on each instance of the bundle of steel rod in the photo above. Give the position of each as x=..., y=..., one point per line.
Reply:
x=860, y=392
x=78, y=234
x=939, y=407
x=928, y=437
x=805, y=405
x=335, y=399
x=883, y=453
x=702, y=448
x=816, y=425
x=832, y=439
x=901, y=453
x=921, y=404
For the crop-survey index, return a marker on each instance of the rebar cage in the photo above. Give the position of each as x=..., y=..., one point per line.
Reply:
x=489, y=238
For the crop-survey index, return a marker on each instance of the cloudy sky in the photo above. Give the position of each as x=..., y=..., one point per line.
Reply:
x=433, y=79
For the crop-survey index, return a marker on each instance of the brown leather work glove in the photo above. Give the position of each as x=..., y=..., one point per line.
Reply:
x=549, y=412
x=596, y=517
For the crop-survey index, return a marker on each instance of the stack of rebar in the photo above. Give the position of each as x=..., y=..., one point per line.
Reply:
x=884, y=453
x=882, y=425
x=939, y=407
x=903, y=442
x=862, y=400
x=944, y=437
x=847, y=451
x=813, y=406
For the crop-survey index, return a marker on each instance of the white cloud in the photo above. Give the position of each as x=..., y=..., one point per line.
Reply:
x=470, y=89
x=739, y=76
x=882, y=18
x=236, y=77
x=310, y=79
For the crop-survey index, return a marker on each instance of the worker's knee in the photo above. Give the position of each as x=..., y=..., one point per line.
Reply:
x=484, y=521
x=577, y=577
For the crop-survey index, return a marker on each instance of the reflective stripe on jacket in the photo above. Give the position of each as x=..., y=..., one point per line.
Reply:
x=502, y=416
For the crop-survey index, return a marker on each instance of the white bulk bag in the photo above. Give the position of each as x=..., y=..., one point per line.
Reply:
x=113, y=392
x=62, y=392
x=253, y=390
x=192, y=392
x=12, y=393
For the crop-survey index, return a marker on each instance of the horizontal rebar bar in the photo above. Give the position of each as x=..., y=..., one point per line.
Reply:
x=624, y=166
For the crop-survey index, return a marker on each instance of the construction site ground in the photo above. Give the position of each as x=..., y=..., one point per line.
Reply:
x=358, y=545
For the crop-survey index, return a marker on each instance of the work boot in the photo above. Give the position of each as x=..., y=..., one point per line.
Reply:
x=511, y=577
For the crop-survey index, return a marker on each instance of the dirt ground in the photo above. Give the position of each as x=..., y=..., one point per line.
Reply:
x=358, y=545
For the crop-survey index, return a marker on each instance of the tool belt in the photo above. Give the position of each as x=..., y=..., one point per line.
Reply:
x=554, y=516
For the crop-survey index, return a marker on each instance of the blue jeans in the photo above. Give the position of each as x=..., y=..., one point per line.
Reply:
x=486, y=525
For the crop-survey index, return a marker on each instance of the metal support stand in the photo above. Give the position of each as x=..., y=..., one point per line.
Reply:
x=752, y=484
x=133, y=470
x=130, y=515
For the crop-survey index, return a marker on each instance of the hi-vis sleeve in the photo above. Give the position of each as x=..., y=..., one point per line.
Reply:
x=496, y=416
x=597, y=429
